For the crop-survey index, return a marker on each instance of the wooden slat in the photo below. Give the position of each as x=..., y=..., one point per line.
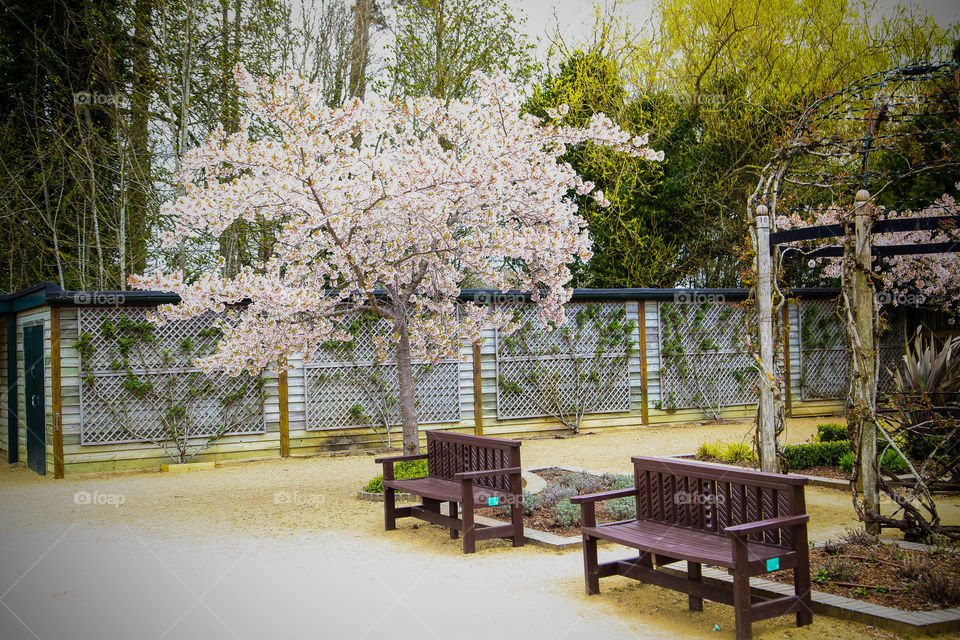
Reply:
x=284, y=400
x=642, y=326
x=477, y=390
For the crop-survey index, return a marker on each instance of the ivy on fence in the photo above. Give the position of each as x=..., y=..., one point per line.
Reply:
x=704, y=362
x=139, y=384
x=569, y=371
x=354, y=383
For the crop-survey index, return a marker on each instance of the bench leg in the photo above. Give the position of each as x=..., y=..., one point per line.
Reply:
x=591, y=569
x=694, y=575
x=389, y=509
x=741, y=592
x=454, y=534
x=801, y=587
x=469, y=530
x=516, y=517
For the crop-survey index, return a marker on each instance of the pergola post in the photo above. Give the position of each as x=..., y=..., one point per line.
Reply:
x=863, y=361
x=767, y=425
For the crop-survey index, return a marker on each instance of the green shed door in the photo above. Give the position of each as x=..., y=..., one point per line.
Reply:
x=33, y=393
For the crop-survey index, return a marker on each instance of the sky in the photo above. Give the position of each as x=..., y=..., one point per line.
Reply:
x=575, y=17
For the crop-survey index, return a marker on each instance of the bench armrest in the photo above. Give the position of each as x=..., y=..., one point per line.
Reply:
x=606, y=495
x=470, y=475
x=765, y=525
x=416, y=456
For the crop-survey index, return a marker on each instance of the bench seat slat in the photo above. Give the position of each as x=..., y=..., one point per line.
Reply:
x=679, y=542
x=443, y=490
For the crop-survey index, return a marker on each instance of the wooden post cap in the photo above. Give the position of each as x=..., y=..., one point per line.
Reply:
x=762, y=210
x=863, y=195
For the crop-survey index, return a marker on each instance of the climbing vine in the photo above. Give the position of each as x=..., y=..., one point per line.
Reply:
x=137, y=387
x=703, y=361
x=568, y=371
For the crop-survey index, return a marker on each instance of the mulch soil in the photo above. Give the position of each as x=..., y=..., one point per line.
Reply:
x=884, y=574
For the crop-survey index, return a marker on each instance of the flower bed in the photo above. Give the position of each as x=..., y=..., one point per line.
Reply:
x=551, y=510
x=862, y=567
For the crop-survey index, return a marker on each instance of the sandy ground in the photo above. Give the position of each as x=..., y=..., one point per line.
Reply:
x=283, y=549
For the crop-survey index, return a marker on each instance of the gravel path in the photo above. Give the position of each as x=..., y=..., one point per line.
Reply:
x=283, y=549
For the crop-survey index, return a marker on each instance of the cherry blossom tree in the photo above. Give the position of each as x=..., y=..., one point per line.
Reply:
x=383, y=207
x=930, y=279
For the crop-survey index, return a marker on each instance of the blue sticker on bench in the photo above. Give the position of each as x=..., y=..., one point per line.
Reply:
x=494, y=501
x=773, y=564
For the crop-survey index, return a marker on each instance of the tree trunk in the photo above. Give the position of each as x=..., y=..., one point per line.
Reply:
x=360, y=48
x=408, y=409
x=136, y=223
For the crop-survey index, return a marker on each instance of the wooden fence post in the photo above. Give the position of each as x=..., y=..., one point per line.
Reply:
x=55, y=392
x=767, y=416
x=477, y=390
x=787, y=382
x=644, y=398
x=284, y=400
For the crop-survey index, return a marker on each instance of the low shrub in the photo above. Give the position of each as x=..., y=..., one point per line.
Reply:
x=615, y=481
x=939, y=587
x=729, y=452
x=401, y=471
x=815, y=454
x=891, y=461
x=860, y=537
x=622, y=508
x=831, y=432
x=710, y=450
x=555, y=493
x=582, y=482
x=837, y=570
x=531, y=502
x=565, y=513
x=737, y=453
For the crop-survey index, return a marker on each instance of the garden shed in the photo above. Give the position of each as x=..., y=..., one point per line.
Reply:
x=88, y=380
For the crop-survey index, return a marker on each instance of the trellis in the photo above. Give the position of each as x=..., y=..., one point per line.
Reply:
x=343, y=377
x=114, y=414
x=704, y=362
x=824, y=362
x=559, y=359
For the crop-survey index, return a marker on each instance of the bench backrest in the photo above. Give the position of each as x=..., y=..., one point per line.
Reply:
x=711, y=498
x=452, y=453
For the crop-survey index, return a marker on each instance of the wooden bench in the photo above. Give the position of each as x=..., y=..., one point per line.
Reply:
x=747, y=522
x=465, y=470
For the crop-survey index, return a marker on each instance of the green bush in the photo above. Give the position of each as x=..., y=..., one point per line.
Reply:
x=565, y=513
x=614, y=481
x=846, y=462
x=555, y=493
x=531, y=502
x=583, y=483
x=401, y=471
x=622, y=508
x=737, y=453
x=831, y=432
x=710, y=450
x=891, y=461
x=815, y=454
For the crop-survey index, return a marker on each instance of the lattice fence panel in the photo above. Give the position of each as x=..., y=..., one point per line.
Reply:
x=824, y=363
x=703, y=360
x=333, y=391
x=543, y=373
x=113, y=412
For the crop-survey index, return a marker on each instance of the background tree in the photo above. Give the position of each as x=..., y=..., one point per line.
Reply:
x=439, y=44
